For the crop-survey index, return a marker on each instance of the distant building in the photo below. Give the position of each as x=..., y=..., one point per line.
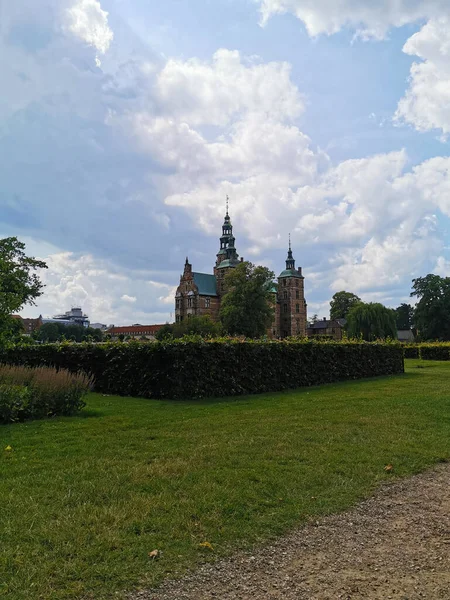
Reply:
x=74, y=316
x=405, y=335
x=30, y=325
x=135, y=331
x=333, y=328
x=98, y=326
x=200, y=294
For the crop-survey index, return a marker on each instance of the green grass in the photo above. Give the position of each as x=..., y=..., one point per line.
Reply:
x=85, y=499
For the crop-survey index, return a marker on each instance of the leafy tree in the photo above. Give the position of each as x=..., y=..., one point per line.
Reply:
x=432, y=312
x=165, y=332
x=404, y=316
x=19, y=285
x=314, y=318
x=247, y=307
x=196, y=325
x=371, y=321
x=341, y=303
x=48, y=332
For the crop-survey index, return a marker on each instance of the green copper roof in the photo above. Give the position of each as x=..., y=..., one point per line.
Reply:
x=290, y=273
x=206, y=284
x=227, y=263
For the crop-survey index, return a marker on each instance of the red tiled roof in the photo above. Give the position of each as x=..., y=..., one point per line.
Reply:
x=135, y=329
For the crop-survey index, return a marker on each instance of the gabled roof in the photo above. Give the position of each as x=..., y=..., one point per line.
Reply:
x=206, y=284
x=325, y=323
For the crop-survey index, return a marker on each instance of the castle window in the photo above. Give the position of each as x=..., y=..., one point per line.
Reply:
x=297, y=294
x=285, y=295
x=189, y=302
x=284, y=282
x=297, y=308
x=207, y=302
x=285, y=308
x=177, y=303
x=296, y=282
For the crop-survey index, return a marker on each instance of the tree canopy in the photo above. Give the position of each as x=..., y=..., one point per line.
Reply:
x=56, y=332
x=404, y=316
x=341, y=303
x=371, y=321
x=202, y=325
x=247, y=308
x=19, y=284
x=432, y=312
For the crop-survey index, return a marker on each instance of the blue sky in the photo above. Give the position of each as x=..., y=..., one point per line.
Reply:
x=124, y=123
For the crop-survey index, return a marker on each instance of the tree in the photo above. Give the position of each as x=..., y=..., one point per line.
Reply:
x=196, y=325
x=48, y=332
x=371, y=321
x=341, y=303
x=432, y=312
x=314, y=318
x=247, y=306
x=19, y=285
x=404, y=316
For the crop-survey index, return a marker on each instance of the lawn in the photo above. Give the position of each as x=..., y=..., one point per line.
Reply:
x=85, y=499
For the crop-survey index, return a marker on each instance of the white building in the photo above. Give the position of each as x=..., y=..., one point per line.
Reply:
x=74, y=316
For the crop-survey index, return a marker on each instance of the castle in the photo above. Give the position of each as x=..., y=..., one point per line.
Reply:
x=200, y=293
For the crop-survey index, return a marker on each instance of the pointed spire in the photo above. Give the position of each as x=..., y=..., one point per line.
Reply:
x=187, y=261
x=290, y=257
x=227, y=205
x=290, y=262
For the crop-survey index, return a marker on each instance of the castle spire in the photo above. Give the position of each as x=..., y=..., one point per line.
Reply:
x=290, y=261
x=227, y=253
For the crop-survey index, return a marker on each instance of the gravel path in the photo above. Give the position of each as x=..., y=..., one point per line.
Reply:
x=394, y=545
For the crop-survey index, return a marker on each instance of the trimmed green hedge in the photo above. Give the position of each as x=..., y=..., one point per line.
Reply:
x=435, y=351
x=428, y=351
x=196, y=369
x=411, y=351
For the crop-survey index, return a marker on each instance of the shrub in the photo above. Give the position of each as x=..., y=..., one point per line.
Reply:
x=14, y=402
x=33, y=393
x=411, y=352
x=195, y=368
x=435, y=351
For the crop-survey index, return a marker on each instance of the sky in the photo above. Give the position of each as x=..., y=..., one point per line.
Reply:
x=125, y=123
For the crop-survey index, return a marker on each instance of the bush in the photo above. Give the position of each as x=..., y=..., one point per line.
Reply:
x=195, y=368
x=33, y=393
x=435, y=351
x=14, y=402
x=411, y=352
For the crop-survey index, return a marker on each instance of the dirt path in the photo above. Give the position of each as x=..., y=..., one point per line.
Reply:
x=395, y=545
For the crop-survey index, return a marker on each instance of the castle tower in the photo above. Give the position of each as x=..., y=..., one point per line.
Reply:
x=227, y=257
x=291, y=299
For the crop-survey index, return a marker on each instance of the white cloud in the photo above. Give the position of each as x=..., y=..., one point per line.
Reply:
x=96, y=285
x=426, y=104
x=88, y=22
x=215, y=92
x=370, y=18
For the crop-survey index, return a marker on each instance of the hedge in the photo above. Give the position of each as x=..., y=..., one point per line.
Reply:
x=197, y=369
x=411, y=351
x=435, y=351
x=428, y=350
